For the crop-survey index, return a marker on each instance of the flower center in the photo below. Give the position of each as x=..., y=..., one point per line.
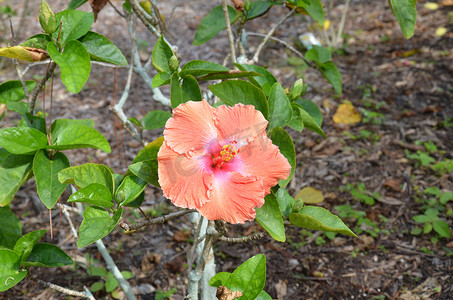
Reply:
x=227, y=153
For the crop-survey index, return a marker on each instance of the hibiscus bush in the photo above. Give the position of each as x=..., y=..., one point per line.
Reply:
x=225, y=155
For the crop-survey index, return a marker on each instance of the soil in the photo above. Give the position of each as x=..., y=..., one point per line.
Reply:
x=403, y=90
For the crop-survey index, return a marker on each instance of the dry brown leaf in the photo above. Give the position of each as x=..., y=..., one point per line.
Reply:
x=346, y=114
x=223, y=293
x=393, y=184
x=447, y=3
x=97, y=5
x=150, y=260
x=238, y=4
x=282, y=289
x=181, y=236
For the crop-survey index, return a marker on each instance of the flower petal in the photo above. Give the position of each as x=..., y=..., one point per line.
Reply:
x=191, y=128
x=182, y=178
x=234, y=199
x=239, y=123
x=263, y=159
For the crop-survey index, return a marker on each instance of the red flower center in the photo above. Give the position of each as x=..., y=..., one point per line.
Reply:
x=227, y=153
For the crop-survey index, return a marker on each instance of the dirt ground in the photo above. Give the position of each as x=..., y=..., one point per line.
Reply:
x=403, y=90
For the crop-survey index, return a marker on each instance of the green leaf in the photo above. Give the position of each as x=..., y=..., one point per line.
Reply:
x=160, y=79
x=309, y=123
x=79, y=136
x=111, y=284
x=14, y=172
x=74, y=63
x=265, y=82
x=263, y=296
x=421, y=219
x=314, y=8
x=96, y=271
x=318, y=54
x=445, y=197
x=22, y=140
x=199, y=68
x=75, y=4
x=10, y=228
x=74, y=25
x=137, y=201
x=318, y=218
x=101, y=48
x=312, y=109
x=146, y=170
x=46, y=175
x=249, y=278
x=285, y=201
x=12, y=90
x=331, y=73
x=296, y=122
x=96, y=224
x=130, y=189
x=228, y=75
x=212, y=24
x=406, y=15
x=10, y=274
x=98, y=285
x=189, y=90
x=95, y=193
x=61, y=124
x=240, y=91
x=175, y=91
x=257, y=8
x=441, y=227
x=87, y=174
x=29, y=120
x=38, y=41
x=284, y=142
x=219, y=279
x=47, y=18
x=47, y=255
x=25, y=244
x=280, y=110
x=155, y=119
x=150, y=150
x=19, y=107
x=161, y=56
x=269, y=217
x=127, y=274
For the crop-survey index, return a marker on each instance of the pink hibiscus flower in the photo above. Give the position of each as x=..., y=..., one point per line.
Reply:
x=219, y=160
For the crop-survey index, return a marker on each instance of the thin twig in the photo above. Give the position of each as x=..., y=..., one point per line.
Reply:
x=229, y=32
x=159, y=220
x=196, y=241
x=244, y=239
x=115, y=9
x=284, y=43
x=16, y=63
x=343, y=20
x=87, y=294
x=144, y=17
x=132, y=30
x=34, y=96
x=270, y=33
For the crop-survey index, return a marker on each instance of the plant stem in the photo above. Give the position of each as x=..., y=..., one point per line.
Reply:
x=270, y=33
x=229, y=33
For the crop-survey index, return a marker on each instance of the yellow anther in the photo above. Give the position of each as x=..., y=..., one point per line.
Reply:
x=227, y=153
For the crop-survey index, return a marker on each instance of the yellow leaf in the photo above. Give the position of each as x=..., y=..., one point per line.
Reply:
x=146, y=5
x=17, y=52
x=326, y=24
x=346, y=114
x=431, y=5
x=441, y=31
x=309, y=195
